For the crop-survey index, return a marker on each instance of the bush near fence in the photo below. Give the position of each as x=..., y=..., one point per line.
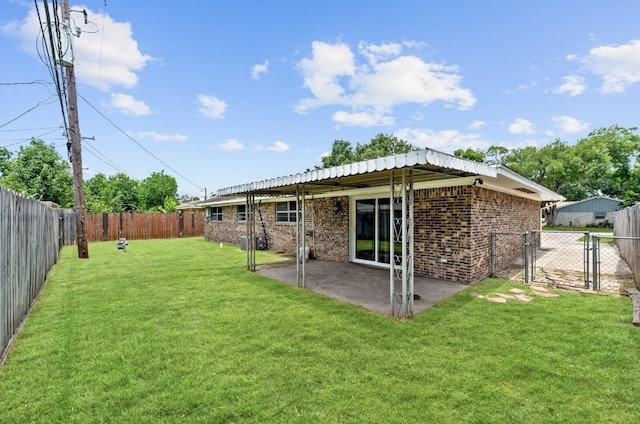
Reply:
x=29, y=247
x=626, y=223
x=136, y=226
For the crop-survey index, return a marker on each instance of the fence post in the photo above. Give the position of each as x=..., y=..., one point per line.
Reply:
x=526, y=258
x=493, y=254
x=105, y=226
x=586, y=260
x=596, y=272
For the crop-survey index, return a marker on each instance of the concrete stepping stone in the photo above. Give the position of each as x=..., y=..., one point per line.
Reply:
x=545, y=294
x=497, y=299
x=506, y=296
x=539, y=288
x=476, y=295
x=524, y=298
x=516, y=291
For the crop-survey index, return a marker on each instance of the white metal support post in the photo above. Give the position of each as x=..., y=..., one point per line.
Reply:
x=301, y=248
x=401, y=233
x=251, y=231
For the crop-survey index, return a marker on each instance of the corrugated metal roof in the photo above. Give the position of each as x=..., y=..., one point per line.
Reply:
x=428, y=164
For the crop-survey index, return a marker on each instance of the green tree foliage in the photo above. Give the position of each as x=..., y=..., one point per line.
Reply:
x=476, y=155
x=5, y=160
x=342, y=152
x=158, y=192
x=118, y=193
x=605, y=162
x=40, y=172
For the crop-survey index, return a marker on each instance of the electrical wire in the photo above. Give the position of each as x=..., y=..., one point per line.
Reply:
x=138, y=144
x=51, y=62
x=99, y=155
x=45, y=101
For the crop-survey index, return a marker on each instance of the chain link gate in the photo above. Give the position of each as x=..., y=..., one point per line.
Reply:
x=561, y=258
x=572, y=259
x=610, y=271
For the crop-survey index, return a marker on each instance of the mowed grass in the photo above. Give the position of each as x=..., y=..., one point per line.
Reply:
x=180, y=331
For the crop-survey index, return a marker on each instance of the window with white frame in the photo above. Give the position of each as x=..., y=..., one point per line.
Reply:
x=215, y=213
x=242, y=213
x=286, y=211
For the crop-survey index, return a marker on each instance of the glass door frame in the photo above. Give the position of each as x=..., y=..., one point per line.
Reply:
x=377, y=196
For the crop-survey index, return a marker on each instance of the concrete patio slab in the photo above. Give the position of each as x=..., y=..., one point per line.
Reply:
x=360, y=285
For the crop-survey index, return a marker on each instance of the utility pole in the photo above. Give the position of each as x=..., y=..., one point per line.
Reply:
x=76, y=155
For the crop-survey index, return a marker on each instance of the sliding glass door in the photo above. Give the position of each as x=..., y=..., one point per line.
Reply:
x=372, y=230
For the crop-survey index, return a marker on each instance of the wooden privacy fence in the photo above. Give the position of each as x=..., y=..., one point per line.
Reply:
x=29, y=247
x=626, y=223
x=135, y=226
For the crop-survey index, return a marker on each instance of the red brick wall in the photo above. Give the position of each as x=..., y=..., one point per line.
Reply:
x=326, y=223
x=452, y=229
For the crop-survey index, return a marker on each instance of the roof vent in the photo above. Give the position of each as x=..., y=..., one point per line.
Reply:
x=525, y=190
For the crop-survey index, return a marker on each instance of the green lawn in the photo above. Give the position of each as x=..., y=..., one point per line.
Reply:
x=179, y=331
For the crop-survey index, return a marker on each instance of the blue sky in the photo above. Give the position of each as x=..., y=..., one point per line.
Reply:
x=220, y=93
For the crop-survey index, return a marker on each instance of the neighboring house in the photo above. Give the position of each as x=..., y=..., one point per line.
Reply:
x=451, y=206
x=589, y=212
x=192, y=206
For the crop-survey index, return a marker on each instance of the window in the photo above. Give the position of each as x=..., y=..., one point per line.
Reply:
x=215, y=213
x=286, y=211
x=242, y=213
x=600, y=215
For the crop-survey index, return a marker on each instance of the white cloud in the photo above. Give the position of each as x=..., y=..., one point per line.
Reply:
x=278, y=147
x=521, y=126
x=573, y=84
x=158, y=137
x=103, y=59
x=259, y=69
x=377, y=52
x=373, y=89
x=618, y=66
x=212, y=107
x=477, y=124
x=231, y=144
x=126, y=104
x=445, y=140
x=569, y=124
x=321, y=73
x=362, y=119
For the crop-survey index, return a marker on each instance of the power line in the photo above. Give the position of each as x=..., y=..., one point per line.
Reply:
x=99, y=155
x=42, y=102
x=139, y=145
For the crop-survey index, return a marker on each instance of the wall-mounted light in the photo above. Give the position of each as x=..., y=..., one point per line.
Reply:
x=337, y=206
x=478, y=181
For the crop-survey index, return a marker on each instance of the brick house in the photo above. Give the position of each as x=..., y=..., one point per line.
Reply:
x=446, y=206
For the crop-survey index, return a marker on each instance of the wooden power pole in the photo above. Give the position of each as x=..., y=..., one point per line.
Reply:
x=76, y=150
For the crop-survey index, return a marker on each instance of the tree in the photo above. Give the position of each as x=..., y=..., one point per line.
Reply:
x=5, y=160
x=475, y=155
x=381, y=145
x=96, y=194
x=122, y=194
x=341, y=153
x=40, y=172
x=159, y=192
x=552, y=166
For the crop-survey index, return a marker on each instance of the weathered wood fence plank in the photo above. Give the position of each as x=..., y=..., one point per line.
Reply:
x=136, y=226
x=29, y=247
